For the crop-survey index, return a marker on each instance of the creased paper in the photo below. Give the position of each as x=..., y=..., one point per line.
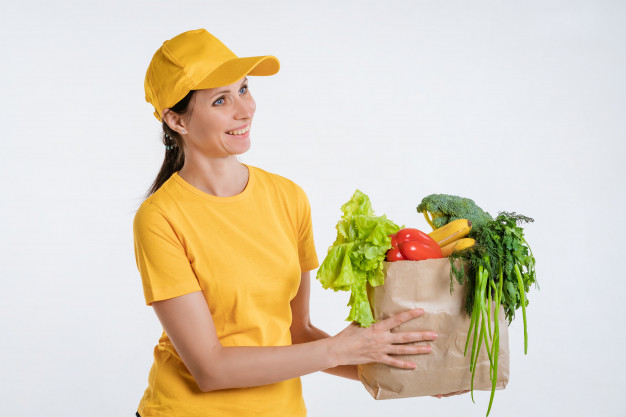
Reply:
x=426, y=284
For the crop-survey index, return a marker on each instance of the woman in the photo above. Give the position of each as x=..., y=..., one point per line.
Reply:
x=225, y=252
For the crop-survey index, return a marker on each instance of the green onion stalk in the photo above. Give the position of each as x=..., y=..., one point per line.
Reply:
x=503, y=269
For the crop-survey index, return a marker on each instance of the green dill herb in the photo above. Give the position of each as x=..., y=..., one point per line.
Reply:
x=503, y=268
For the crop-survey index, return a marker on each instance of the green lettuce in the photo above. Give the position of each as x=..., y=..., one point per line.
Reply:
x=356, y=257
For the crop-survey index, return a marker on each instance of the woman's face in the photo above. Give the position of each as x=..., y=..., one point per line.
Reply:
x=220, y=121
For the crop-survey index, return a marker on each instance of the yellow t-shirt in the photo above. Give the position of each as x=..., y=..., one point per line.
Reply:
x=245, y=253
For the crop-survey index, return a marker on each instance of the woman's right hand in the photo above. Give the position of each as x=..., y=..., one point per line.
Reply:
x=358, y=345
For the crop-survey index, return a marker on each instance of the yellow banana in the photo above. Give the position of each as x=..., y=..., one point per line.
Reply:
x=457, y=245
x=451, y=232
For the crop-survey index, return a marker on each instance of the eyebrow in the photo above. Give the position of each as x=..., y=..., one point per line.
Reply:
x=227, y=91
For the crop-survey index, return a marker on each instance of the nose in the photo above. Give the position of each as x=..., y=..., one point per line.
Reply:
x=244, y=107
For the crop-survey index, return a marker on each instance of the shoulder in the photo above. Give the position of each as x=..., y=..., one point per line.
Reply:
x=282, y=184
x=147, y=216
x=155, y=207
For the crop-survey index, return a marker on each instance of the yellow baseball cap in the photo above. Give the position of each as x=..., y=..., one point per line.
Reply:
x=195, y=60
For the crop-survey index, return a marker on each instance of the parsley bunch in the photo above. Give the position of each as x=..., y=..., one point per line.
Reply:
x=504, y=269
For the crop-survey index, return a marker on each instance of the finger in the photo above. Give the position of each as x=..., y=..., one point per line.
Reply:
x=400, y=318
x=391, y=361
x=407, y=337
x=409, y=349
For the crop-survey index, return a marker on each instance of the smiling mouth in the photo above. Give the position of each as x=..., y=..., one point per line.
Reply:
x=239, y=131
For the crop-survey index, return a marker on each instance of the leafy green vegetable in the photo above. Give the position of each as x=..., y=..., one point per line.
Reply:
x=504, y=267
x=501, y=245
x=444, y=208
x=357, y=255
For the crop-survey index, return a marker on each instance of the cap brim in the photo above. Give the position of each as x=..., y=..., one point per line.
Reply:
x=235, y=69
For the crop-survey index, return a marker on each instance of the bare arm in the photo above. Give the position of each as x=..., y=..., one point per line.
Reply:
x=347, y=371
x=189, y=325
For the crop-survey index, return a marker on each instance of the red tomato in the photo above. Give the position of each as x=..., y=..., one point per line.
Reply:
x=419, y=251
x=414, y=235
x=394, y=254
x=394, y=240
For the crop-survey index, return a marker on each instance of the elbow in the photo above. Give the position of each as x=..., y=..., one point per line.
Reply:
x=210, y=380
x=210, y=375
x=207, y=384
x=301, y=334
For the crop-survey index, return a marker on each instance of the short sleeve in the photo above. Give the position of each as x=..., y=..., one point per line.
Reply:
x=306, y=244
x=161, y=259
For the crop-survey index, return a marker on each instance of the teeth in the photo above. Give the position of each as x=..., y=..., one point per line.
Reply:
x=239, y=132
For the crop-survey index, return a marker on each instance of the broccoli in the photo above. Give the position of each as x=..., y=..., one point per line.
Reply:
x=444, y=208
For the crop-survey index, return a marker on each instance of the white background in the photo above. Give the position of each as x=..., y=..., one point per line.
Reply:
x=518, y=105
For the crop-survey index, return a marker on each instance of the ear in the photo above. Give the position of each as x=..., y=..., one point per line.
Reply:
x=173, y=120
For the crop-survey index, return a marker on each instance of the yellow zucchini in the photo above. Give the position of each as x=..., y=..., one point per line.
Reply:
x=457, y=245
x=451, y=232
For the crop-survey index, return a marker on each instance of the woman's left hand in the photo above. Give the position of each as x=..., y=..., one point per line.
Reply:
x=450, y=394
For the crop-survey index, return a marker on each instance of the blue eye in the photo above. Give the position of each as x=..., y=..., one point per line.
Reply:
x=217, y=102
x=244, y=88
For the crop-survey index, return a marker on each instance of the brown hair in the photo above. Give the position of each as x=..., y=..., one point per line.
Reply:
x=174, y=155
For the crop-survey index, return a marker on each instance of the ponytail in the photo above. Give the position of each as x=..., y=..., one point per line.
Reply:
x=174, y=155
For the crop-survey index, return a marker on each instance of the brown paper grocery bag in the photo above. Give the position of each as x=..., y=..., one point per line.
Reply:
x=426, y=284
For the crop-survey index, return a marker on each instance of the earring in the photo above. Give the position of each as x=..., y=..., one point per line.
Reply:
x=184, y=132
x=173, y=145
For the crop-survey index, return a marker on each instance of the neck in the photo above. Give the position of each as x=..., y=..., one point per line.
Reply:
x=223, y=177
